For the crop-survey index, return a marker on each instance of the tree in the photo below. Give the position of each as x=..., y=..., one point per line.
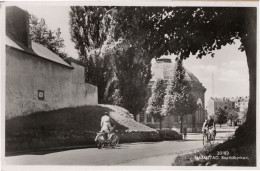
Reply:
x=221, y=116
x=51, y=39
x=232, y=116
x=199, y=31
x=113, y=94
x=179, y=99
x=130, y=69
x=91, y=30
x=156, y=101
x=171, y=30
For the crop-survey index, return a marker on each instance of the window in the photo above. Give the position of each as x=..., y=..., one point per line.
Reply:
x=149, y=119
x=141, y=117
x=40, y=94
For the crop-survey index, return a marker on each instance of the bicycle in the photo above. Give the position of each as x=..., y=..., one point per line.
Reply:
x=208, y=136
x=112, y=139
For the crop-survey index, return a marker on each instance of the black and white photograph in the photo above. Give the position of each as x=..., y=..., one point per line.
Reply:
x=129, y=85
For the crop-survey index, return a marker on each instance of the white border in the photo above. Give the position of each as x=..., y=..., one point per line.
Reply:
x=115, y=3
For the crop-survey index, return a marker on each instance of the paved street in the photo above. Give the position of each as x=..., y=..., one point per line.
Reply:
x=145, y=153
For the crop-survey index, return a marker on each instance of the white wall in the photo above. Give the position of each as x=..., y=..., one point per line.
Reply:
x=62, y=86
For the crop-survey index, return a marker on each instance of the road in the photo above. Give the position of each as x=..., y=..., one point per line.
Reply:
x=129, y=154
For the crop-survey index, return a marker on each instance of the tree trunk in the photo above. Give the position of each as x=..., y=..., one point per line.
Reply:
x=220, y=125
x=181, y=124
x=249, y=43
x=160, y=124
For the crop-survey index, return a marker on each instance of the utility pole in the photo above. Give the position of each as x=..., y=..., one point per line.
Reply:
x=212, y=85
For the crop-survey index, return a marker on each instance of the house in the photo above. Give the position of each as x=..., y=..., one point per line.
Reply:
x=36, y=78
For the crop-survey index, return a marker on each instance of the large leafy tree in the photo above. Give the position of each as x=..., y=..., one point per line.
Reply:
x=179, y=100
x=200, y=31
x=155, y=102
x=232, y=115
x=123, y=71
x=89, y=28
x=130, y=73
x=221, y=116
x=40, y=33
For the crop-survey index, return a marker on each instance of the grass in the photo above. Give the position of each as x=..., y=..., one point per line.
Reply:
x=71, y=127
x=191, y=160
x=239, y=145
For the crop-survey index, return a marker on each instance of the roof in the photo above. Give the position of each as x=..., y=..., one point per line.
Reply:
x=231, y=99
x=38, y=50
x=70, y=59
x=164, y=69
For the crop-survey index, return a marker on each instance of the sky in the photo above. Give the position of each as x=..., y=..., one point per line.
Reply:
x=228, y=68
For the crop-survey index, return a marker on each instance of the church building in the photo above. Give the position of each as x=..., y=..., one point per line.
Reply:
x=163, y=68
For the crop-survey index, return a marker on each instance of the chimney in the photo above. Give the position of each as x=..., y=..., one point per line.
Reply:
x=17, y=26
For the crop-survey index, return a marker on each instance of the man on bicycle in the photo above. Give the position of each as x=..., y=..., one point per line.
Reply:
x=105, y=124
x=209, y=124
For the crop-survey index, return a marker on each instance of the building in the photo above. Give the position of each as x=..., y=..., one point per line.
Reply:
x=241, y=103
x=36, y=78
x=238, y=103
x=163, y=68
x=215, y=103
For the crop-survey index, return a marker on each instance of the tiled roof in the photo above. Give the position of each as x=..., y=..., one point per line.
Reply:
x=39, y=51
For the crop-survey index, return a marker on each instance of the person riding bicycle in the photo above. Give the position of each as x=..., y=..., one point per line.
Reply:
x=106, y=125
x=209, y=123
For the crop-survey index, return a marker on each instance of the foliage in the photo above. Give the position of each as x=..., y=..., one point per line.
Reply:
x=171, y=30
x=119, y=69
x=190, y=158
x=245, y=115
x=232, y=115
x=130, y=73
x=169, y=135
x=51, y=39
x=179, y=99
x=88, y=28
x=198, y=31
x=191, y=30
x=156, y=101
x=221, y=116
x=113, y=93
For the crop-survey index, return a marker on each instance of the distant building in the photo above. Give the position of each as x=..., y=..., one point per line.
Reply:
x=241, y=103
x=238, y=103
x=164, y=69
x=36, y=78
x=215, y=103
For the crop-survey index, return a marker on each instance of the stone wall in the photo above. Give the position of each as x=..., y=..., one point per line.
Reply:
x=62, y=86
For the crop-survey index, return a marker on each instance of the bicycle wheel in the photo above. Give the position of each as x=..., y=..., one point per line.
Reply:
x=114, y=140
x=100, y=141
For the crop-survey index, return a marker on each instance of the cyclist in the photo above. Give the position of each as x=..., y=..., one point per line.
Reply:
x=209, y=124
x=105, y=124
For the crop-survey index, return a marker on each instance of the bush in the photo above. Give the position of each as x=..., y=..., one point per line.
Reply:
x=169, y=135
x=126, y=136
